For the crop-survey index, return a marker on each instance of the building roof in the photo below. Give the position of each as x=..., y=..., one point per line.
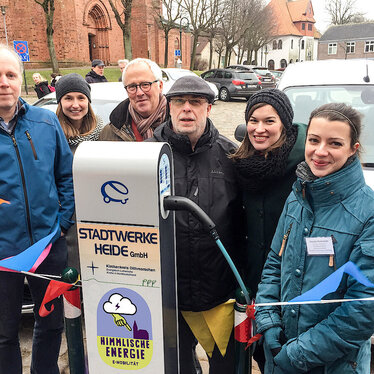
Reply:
x=284, y=24
x=351, y=31
x=287, y=12
x=202, y=43
x=298, y=10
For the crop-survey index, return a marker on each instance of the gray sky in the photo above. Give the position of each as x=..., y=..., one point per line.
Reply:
x=322, y=18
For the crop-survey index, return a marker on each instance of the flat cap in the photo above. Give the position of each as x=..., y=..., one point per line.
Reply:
x=191, y=85
x=97, y=62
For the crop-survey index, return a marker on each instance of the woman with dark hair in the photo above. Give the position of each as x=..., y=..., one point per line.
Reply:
x=79, y=123
x=75, y=112
x=330, y=202
x=265, y=163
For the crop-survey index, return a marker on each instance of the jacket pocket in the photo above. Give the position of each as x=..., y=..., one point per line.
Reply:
x=31, y=144
x=367, y=248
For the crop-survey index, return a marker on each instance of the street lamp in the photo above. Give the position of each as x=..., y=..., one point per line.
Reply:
x=2, y=7
x=180, y=32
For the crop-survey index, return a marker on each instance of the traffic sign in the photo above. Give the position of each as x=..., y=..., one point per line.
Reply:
x=22, y=48
x=177, y=52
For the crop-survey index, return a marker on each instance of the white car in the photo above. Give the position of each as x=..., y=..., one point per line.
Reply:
x=170, y=75
x=106, y=96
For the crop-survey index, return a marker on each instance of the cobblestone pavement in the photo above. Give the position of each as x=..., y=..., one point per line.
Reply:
x=225, y=116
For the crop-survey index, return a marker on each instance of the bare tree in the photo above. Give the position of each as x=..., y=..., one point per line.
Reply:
x=49, y=10
x=259, y=34
x=123, y=9
x=343, y=11
x=202, y=14
x=166, y=19
x=236, y=21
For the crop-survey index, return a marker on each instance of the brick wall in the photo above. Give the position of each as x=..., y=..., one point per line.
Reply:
x=341, y=51
x=77, y=21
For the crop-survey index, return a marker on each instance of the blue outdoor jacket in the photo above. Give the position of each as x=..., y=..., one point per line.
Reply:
x=321, y=338
x=35, y=180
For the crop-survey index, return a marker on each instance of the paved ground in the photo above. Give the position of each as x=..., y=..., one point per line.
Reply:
x=225, y=116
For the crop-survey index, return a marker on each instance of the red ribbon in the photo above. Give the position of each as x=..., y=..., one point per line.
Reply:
x=251, y=316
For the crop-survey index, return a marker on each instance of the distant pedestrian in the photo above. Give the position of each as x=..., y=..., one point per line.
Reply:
x=55, y=77
x=122, y=64
x=96, y=75
x=41, y=85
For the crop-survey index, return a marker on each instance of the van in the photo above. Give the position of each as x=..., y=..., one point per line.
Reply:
x=311, y=84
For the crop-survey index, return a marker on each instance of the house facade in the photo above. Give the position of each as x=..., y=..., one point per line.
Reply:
x=203, y=54
x=87, y=29
x=347, y=42
x=294, y=36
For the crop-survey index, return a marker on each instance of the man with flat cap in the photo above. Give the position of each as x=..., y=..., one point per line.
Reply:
x=96, y=74
x=204, y=174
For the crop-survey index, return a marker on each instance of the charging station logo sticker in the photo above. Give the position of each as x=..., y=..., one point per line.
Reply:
x=124, y=330
x=114, y=191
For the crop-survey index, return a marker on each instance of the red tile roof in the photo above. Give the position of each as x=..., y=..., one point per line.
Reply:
x=287, y=12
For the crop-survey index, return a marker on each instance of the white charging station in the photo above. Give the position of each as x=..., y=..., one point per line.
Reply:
x=127, y=256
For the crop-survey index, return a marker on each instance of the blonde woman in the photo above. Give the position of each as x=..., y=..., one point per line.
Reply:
x=41, y=85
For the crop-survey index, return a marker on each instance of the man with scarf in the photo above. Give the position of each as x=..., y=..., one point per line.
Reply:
x=204, y=174
x=135, y=118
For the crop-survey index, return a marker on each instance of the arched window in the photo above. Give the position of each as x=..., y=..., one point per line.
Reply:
x=283, y=63
x=275, y=44
x=271, y=65
x=279, y=44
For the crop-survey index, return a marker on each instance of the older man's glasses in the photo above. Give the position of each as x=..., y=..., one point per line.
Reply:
x=195, y=102
x=144, y=86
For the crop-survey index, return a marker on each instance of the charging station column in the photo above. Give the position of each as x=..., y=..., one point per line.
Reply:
x=127, y=256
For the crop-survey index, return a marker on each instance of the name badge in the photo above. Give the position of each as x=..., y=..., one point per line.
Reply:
x=320, y=246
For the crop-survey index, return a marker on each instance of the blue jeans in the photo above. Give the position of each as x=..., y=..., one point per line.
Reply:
x=47, y=330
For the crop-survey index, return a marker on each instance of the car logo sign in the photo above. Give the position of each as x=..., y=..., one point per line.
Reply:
x=114, y=191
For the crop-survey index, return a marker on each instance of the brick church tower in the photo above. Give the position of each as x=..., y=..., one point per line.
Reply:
x=87, y=29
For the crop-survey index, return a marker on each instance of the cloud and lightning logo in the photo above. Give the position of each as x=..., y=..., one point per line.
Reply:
x=118, y=305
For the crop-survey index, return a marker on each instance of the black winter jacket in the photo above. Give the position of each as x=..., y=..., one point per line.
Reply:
x=92, y=77
x=42, y=89
x=206, y=176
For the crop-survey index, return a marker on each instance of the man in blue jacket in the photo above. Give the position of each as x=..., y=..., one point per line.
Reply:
x=36, y=199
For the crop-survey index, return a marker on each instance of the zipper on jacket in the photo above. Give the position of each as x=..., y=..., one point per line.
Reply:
x=303, y=190
x=24, y=188
x=32, y=144
x=284, y=241
x=332, y=262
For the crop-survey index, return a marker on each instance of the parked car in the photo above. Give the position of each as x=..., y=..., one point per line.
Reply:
x=264, y=75
x=104, y=98
x=233, y=83
x=170, y=75
x=277, y=74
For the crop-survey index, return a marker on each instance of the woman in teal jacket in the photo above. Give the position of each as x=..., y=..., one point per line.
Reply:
x=330, y=201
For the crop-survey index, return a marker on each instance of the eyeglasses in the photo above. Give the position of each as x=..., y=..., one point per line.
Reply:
x=144, y=86
x=193, y=102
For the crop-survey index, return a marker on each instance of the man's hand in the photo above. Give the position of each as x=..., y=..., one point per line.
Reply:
x=120, y=321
